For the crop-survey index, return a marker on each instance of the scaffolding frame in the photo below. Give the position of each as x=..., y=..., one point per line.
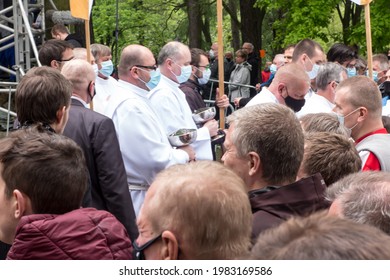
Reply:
x=18, y=39
x=18, y=25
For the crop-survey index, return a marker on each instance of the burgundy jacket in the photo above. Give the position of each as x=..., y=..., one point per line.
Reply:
x=192, y=90
x=83, y=234
x=273, y=205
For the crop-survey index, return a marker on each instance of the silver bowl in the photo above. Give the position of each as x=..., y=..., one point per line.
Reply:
x=204, y=114
x=183, y=137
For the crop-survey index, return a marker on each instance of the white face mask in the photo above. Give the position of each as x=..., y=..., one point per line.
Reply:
x=205, y=76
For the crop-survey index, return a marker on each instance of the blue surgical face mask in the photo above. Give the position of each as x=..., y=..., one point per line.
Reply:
x=155, y=76
x=184, y=75
x=273, y=68
x=351, y=71
x=374, y=75
x=107, y=68
x=314, y=71
x=341, y=119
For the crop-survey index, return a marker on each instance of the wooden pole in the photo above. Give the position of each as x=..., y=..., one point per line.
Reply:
x=88, y=47
x=368, y=38
x=221, y=76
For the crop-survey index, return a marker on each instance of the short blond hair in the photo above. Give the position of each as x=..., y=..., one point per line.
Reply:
x=206, y=205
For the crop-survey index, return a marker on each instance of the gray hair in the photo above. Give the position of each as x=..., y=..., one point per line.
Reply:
x=274, y=133
x=323, y=122
x=170, y=50
x=327, y=73
x=364, y=198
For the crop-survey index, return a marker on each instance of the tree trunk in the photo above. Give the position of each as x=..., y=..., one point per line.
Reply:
x=194, y=23
x=235, y=43
x=251, y=25
x=206, y=32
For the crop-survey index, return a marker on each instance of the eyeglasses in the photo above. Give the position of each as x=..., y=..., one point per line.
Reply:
x=139, y=250
x=205, y=66
x=154, y=67
x=65, y=60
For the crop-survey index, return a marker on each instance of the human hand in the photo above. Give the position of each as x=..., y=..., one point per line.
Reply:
x=222, y=101
x=212, y=126
x=237, y=101
x=190, y=151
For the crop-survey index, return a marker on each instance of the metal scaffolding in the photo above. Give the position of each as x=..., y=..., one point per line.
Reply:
x=18, y=49
x=18, y=37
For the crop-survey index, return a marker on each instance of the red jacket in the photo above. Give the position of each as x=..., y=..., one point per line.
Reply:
x=83, y=234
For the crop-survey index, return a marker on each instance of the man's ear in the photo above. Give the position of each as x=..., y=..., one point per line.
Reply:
x=134, y=72
x=363, y=112
x=170, y=247
x=55, y=64
x=254, y=163
x=22, y=204
x=60, y=114
x=280, y=88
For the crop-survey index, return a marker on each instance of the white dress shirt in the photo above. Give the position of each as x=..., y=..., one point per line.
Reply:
x=316, y=104
x=104, y=89
x=386, y=109
x=264, y=96
x=172, y=108
x=143, y=142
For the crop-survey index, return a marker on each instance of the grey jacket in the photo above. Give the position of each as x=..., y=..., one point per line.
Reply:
x=240, y=75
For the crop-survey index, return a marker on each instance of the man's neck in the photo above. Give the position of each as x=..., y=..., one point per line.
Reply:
x=326, y=94
x=368, y=127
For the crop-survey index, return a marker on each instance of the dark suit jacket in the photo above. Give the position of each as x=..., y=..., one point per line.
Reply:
x=95, y=134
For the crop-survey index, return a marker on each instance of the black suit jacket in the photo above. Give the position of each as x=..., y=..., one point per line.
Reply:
x=95, y=134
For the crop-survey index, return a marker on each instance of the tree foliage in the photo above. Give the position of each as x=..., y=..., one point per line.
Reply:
x=327, y=21
x=269, y=24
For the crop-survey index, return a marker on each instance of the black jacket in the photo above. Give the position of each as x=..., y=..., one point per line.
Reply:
x=273, y=205
x=95, y=134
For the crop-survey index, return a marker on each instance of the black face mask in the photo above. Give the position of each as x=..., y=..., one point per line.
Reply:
x=94, y=91
x=295, y=104
x=385, y=88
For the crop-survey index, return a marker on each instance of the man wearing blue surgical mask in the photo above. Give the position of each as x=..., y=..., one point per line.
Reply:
x=200, y=75
x=105, y=83
x=359, y=108
x=170, y=102
x=309, y=55
x=143, y=141
x=380, y=65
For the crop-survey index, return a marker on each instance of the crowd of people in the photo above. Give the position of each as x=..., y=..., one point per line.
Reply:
x=303, y=172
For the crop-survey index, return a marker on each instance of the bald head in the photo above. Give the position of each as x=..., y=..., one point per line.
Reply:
x=81, y=53
x=174, y=50
x=133, y=55
x=292, y=75
x=81, y=74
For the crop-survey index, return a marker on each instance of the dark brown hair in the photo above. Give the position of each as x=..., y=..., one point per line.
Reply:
x=49, y=168
x=40, y=94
